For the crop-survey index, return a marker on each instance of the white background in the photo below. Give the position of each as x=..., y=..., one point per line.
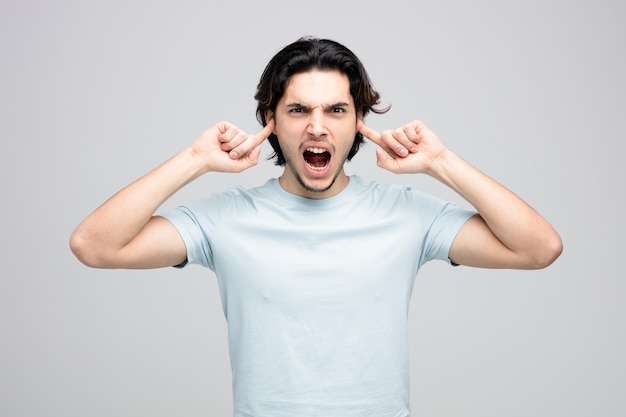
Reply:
x=93, y=94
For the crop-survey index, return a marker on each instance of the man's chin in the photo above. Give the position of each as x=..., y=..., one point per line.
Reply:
x=323, y=187
x=314, y=183
x=317, y=185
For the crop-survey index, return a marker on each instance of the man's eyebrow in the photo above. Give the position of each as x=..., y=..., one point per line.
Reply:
x=325, y=106
x=297, y=105
x=335, y=105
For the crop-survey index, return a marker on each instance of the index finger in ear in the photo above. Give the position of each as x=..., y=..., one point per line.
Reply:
x=252, y=141
x=370, y=133
x=266, y=131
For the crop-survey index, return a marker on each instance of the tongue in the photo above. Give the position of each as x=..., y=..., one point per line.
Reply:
x=317, y=160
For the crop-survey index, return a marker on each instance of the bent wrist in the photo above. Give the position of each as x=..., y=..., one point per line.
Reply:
x=194, y=162
x=444, y=164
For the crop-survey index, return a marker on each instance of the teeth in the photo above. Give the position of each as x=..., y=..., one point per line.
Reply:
x=316, y=150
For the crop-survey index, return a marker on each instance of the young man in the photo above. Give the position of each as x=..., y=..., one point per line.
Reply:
x=315, y=268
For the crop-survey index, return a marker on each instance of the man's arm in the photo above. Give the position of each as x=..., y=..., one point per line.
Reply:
x=124, y=233
x=506, y=233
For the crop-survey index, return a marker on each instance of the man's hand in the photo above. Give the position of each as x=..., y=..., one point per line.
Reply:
x=226, y=148
x=411, y=148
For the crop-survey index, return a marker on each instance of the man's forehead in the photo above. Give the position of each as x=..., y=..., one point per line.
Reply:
x=318, y=87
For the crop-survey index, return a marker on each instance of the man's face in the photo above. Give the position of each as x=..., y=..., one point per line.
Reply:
x=315, y=125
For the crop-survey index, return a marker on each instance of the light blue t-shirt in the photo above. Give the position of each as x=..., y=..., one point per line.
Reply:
x=316, y=292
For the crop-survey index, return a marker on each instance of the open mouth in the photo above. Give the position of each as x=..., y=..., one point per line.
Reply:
x=316, y=158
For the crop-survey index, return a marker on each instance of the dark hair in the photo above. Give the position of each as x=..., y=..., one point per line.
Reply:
x=304, y=55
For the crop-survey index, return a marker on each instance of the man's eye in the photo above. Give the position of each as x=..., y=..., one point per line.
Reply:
x=296, y=110
x=339, y=110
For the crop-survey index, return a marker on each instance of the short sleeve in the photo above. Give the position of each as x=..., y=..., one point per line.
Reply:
x=192, y=227
x=443, y=231
x=441, y=222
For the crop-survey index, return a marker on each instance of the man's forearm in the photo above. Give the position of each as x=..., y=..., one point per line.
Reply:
x=116, y=222
x=517, y=225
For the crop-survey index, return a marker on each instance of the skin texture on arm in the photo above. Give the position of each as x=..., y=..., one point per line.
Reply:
x=124, y=233
x=506, y=233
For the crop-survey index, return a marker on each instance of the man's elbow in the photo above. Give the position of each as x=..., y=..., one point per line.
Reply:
x=83, y=247
x=548, y=252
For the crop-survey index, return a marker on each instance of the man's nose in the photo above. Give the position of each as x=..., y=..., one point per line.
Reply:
x=317, y=123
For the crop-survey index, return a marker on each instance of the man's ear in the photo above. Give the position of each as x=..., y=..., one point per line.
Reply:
x=269, y=115
x=359, y=119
